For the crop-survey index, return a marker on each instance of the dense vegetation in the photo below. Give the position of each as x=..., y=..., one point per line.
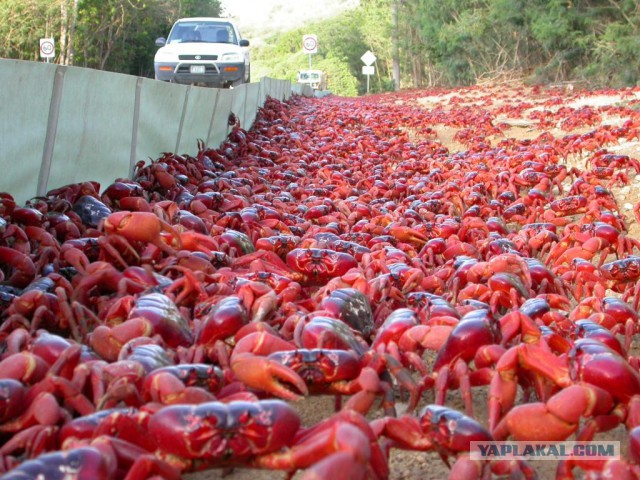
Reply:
x=114, y=35
x=439, y=42
x=462, y=42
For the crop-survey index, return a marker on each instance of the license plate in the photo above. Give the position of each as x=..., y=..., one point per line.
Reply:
x=196, y=69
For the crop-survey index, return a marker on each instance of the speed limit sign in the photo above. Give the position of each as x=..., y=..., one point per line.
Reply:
x=47, y=48
x=310, y=44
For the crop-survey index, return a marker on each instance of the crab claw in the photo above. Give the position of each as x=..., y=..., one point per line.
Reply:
x=407, y=234
x=522, y=421
x=268, y=375
x=143, y=227
x=560, y=416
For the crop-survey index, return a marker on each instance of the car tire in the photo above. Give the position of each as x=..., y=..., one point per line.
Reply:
x=248, y=79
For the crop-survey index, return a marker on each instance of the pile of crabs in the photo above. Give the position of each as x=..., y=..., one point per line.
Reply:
x=168, y=323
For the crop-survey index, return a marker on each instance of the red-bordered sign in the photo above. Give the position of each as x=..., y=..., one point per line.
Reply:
x=310, y=44
x=47, y=48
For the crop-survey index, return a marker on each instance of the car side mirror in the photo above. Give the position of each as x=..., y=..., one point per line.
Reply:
x=161, y=42
x=244, y=43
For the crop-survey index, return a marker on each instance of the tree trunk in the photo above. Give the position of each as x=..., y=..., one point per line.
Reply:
x=64, y=35
x=395, y=46
x=418, y=67
x=72, y=33
x=417, y=72
x=114, y=29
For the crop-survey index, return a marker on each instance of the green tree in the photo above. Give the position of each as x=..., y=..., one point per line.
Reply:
x=341, y=43
x=615, y=61
x=339, y=77
x=24, y=22
x=116, y=35
x=440, y=42
x=198, y=8
x=119, y=35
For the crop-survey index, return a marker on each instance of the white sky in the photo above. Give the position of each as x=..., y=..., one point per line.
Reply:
x=249, y=10
x=281, y=14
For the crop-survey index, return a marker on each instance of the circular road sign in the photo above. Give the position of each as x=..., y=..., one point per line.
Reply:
x=310, y=44
x=47, y=48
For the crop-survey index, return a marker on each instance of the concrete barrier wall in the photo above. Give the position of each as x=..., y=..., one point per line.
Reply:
x=302, y=89
x=62, y=125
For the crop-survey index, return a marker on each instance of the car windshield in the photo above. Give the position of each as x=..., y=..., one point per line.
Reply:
x=203, y=32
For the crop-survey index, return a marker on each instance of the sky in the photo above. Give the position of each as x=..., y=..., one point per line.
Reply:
x=249, y=10
x=257, y=15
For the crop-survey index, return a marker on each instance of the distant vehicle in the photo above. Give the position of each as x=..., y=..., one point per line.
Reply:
x=203, y=51
x=316, y=79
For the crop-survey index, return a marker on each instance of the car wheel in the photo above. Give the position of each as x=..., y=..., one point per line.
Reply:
x=248, y=77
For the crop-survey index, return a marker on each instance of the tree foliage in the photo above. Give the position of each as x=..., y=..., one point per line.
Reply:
x=115, y=35
x=441, y=42
x=24, y=22
x=545, y=40
x=341, y=43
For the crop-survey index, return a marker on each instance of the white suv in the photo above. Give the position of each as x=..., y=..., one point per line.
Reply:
x=203, y=51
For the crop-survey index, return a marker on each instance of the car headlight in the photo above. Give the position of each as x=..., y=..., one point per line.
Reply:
x=231, y=57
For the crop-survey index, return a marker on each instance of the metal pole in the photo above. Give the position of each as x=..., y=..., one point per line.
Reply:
x=368, y=77
x=309, y=61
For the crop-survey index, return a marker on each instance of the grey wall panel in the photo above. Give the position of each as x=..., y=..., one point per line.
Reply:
x=161, y=109
x=25, y=98
x=251, y=103
x=237, y=105
x=261, y=94
x=200, y=108
x=286, y=93
x=62, y=125
x=265, y=86
x=220, y=125
x=300, y=89
x=270, y=87
x=93, y=140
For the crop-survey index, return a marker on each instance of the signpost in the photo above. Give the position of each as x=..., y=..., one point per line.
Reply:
x=368, y=59
x=47, y=48
x=310, y=45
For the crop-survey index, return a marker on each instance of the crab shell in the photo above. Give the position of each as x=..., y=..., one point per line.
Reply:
x=223, y=433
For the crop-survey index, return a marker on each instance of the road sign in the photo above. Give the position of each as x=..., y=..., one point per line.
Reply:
x=368, y=58
x=47, y=48
x=310, y=44
x=368, y=70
